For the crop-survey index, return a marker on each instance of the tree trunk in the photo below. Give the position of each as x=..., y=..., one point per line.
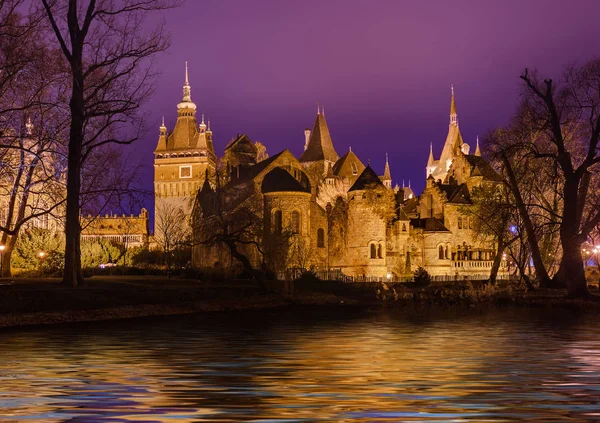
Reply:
x=571, y=272
x=538, y=263
x=72, y=274
x=497, y=260
x=7, y=255
x=256, y=274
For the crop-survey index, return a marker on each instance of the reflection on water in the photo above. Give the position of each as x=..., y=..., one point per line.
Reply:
x=303, y=366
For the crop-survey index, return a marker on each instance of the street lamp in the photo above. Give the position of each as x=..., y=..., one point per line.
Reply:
x=2, y=260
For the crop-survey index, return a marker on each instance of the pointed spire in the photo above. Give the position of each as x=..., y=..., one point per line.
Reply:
x=349, y=148
x=323, y=110
x=387, y=175
x=477, y=150
x=318, y=109
x=163, y=128
x=453, y=114
x=403, y=183
x=430, y=160
x=208, y=126
x=186, y=102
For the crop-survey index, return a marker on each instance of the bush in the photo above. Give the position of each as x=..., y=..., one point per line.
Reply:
x=422, y=277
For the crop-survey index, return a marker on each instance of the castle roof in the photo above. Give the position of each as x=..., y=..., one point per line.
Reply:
x=320, y=146
x=456, y=193
x=429, y=224
x=348, y=166
x=242, y=144
x=387, y=175
x=367, y=178
x=481, y=167
x=280, y=180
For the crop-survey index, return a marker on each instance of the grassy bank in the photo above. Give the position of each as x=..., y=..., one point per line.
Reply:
x=46, y=301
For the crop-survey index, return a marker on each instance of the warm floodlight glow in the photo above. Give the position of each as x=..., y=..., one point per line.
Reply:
x=2, y=247
x=41, y=254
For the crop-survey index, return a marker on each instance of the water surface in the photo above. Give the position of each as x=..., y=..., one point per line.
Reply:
x=305, y=365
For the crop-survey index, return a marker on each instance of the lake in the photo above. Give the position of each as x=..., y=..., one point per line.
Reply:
x=306, y=365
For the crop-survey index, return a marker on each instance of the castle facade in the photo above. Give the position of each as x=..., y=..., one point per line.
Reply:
x=320, y=210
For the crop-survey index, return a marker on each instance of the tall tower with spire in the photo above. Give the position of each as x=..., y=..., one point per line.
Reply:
x=438, y=169
x=387, y=175
x=182, y=157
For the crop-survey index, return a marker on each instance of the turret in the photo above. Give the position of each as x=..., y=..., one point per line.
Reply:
x=387, y=175
x=453, y=114
x=477, y=150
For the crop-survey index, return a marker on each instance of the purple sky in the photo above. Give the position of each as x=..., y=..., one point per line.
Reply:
x=382, y=69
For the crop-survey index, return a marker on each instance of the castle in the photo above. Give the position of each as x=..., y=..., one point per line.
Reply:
x=320, y=210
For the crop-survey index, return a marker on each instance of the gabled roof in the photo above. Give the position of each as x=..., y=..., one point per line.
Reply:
x=367, y=177
x=480, y=167
x=348, y=166
x=280, y=180
x=429, y=224
x=243, y=144
x=320, y=146
x=251, y=172
x=456, y=193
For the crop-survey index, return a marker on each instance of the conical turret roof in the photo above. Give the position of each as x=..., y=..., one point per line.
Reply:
x=387, y=175
x=320, y=146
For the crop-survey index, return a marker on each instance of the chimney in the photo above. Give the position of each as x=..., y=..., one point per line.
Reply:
x=306, y=138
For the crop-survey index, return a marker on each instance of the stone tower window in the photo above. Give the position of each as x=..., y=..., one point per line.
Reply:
x=373, y=251
x=460, y=225
x=379, y=251
x=441, y=252
x=320, y=238
x=185, y=171
x=277, y=222
x=354, y=168
x=295, y=222
x=404, y=227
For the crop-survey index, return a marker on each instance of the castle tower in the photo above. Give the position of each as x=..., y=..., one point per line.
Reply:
x=319, y=152
x=183, y=156
x=452, y=146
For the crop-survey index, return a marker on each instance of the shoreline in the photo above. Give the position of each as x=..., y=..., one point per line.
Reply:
x=258, y=302
x=46, y=302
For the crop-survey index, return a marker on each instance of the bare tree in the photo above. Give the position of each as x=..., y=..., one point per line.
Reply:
x=171, y=231
x=108, y=52
x=32, y=124
x=566, y=114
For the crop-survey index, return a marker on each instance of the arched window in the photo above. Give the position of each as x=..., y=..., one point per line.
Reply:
x=373, y=251
x=441, y=255
x=447, y=252
x=277, y=222
x=295, y=222
x=460, y=223
x=404, y=227
x=380, y=251
x=470, y=223
x=320, y=238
